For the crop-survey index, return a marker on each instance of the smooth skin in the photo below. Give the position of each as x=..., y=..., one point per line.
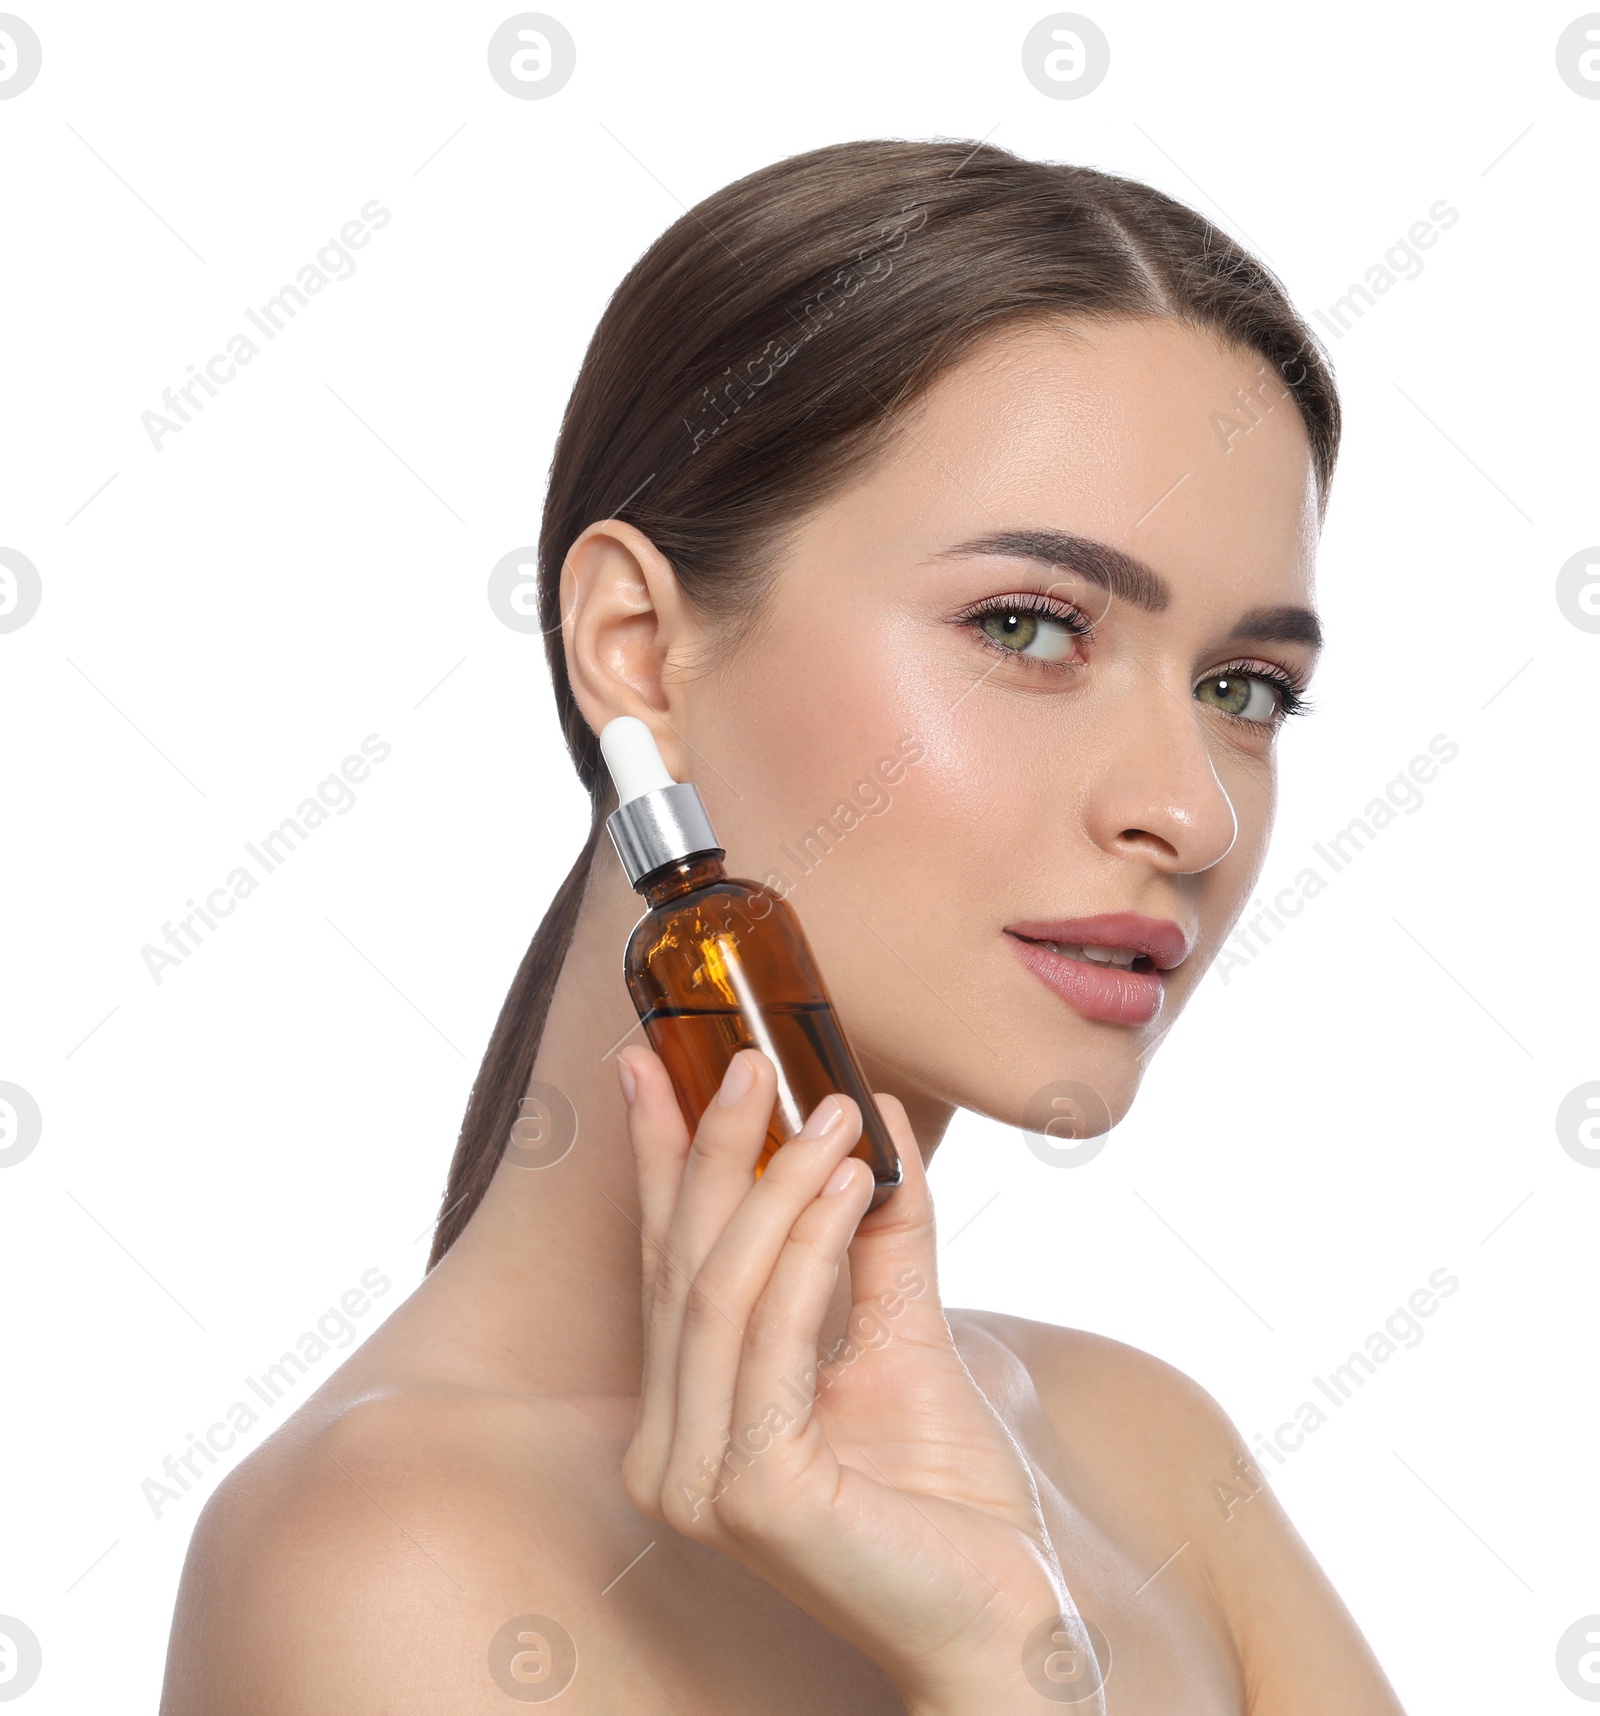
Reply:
x=525, y=1434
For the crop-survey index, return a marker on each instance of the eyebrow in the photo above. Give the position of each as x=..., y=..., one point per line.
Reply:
x=1277, y=625
x=1120, y=574
x=1129, y=579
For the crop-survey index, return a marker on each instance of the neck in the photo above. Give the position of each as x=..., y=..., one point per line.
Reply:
x=542, y=1290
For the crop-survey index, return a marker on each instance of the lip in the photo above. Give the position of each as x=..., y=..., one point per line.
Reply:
x=1108, y=993
x=1165, y=944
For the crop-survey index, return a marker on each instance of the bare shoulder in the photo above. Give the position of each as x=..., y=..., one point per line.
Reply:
x=1120, y=1403
x=1134, y=1430
x=1145, y=1428
x=368, y=1558
x=1066, y=1361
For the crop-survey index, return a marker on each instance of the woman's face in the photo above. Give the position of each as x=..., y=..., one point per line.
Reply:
x=1028, y=673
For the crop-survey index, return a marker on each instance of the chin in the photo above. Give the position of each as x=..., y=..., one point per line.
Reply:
x=1070, y=1095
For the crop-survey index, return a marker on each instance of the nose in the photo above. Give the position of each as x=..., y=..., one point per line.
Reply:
x=1155, y=795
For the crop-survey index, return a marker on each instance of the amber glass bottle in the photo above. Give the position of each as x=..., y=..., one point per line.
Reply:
x=717, y=964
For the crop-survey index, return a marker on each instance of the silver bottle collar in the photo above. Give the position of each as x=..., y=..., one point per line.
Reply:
x=660, y=827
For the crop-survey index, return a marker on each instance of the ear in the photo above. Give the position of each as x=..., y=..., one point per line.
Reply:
x=626, y=628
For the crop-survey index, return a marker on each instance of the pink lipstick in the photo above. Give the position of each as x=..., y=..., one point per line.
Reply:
x=1108, y=967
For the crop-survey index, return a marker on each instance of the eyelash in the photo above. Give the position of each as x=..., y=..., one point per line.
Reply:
x=1029, y=602
x=1291, y=699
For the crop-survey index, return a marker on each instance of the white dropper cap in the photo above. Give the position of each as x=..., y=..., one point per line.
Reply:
x=633, y=757
x=658, y=820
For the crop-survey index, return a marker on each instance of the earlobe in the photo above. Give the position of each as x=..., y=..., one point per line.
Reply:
x=622, y=614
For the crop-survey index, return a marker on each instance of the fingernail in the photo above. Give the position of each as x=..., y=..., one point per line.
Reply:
x=736, y=1080
x=824, y=1117
x=841, y=1177
x=630, y=1084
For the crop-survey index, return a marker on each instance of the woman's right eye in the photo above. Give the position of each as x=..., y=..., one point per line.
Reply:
x=1038, y=636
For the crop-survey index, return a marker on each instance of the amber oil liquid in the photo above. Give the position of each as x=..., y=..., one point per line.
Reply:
x=718, y=964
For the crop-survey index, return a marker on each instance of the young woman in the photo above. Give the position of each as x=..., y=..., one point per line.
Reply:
x=999, y=481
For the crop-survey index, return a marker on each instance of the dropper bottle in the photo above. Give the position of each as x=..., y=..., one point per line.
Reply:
x=717, y=964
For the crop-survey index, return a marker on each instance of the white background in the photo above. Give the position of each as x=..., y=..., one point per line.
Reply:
x=1369, y=1099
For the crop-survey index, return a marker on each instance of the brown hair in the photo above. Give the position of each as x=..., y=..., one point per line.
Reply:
x=761, y=353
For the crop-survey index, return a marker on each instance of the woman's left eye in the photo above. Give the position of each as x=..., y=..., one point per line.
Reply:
x=1246, y=696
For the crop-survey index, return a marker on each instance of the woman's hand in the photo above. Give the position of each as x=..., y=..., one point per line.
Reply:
x=878, y=1490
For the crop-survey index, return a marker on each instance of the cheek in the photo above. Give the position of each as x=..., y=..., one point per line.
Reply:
x=853, y=778
x=999, y=787
x=805, y=749
x=914, y=891
x=1226, y=891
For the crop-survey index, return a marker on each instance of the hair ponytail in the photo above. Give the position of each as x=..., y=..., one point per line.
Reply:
x=513, y=1047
